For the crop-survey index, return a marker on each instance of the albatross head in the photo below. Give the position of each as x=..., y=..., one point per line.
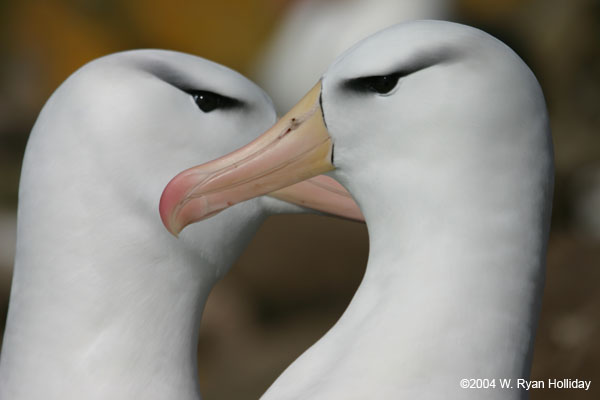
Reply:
x=441, y=134
x=105, y=302
x=422, y=116
x=118, y=129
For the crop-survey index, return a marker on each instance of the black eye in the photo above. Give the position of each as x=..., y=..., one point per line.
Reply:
x=377, y=84
x=209, y=101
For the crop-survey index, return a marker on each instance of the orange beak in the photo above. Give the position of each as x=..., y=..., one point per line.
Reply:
x=296, y=148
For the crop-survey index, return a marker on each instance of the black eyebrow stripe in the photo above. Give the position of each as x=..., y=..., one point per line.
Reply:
x=361, y=84
x=173, y=77
x=165, y=73
x=425, y=60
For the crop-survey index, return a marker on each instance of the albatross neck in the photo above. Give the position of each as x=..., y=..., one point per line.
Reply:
x=474, y=273
x=451, y=290
x=453, y=283
x=95, y=315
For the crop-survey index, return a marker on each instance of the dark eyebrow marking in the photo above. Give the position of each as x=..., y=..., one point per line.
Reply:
x=181, y=81
x=376, y=84
x=422, y=61
x=166, y=73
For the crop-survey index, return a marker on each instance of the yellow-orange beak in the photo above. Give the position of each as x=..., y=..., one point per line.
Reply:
x=296, y=148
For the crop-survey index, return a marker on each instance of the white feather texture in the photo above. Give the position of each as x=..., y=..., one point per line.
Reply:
x=105, y=303
x=453, y=170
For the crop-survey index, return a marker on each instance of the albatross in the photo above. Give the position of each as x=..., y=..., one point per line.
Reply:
x=105, y=304
x=441, y=134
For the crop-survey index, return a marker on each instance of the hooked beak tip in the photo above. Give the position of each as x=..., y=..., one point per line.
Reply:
x=175, y=231
x=168, y=215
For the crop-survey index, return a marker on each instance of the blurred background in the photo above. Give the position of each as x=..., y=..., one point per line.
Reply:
x=300, y=272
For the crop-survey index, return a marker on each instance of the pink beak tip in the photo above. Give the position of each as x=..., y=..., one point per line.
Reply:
x=167, y=205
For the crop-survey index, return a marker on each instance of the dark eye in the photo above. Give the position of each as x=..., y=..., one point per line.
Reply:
x=377, y=84
x=209, y=101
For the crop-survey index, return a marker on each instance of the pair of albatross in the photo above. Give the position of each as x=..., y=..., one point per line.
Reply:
x=438, y=130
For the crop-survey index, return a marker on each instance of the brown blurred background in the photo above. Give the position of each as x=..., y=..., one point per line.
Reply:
x=300, y=272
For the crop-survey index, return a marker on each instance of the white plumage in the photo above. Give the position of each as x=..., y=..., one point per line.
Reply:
x=105, y=303
x=453, y=170
x=441, y=133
